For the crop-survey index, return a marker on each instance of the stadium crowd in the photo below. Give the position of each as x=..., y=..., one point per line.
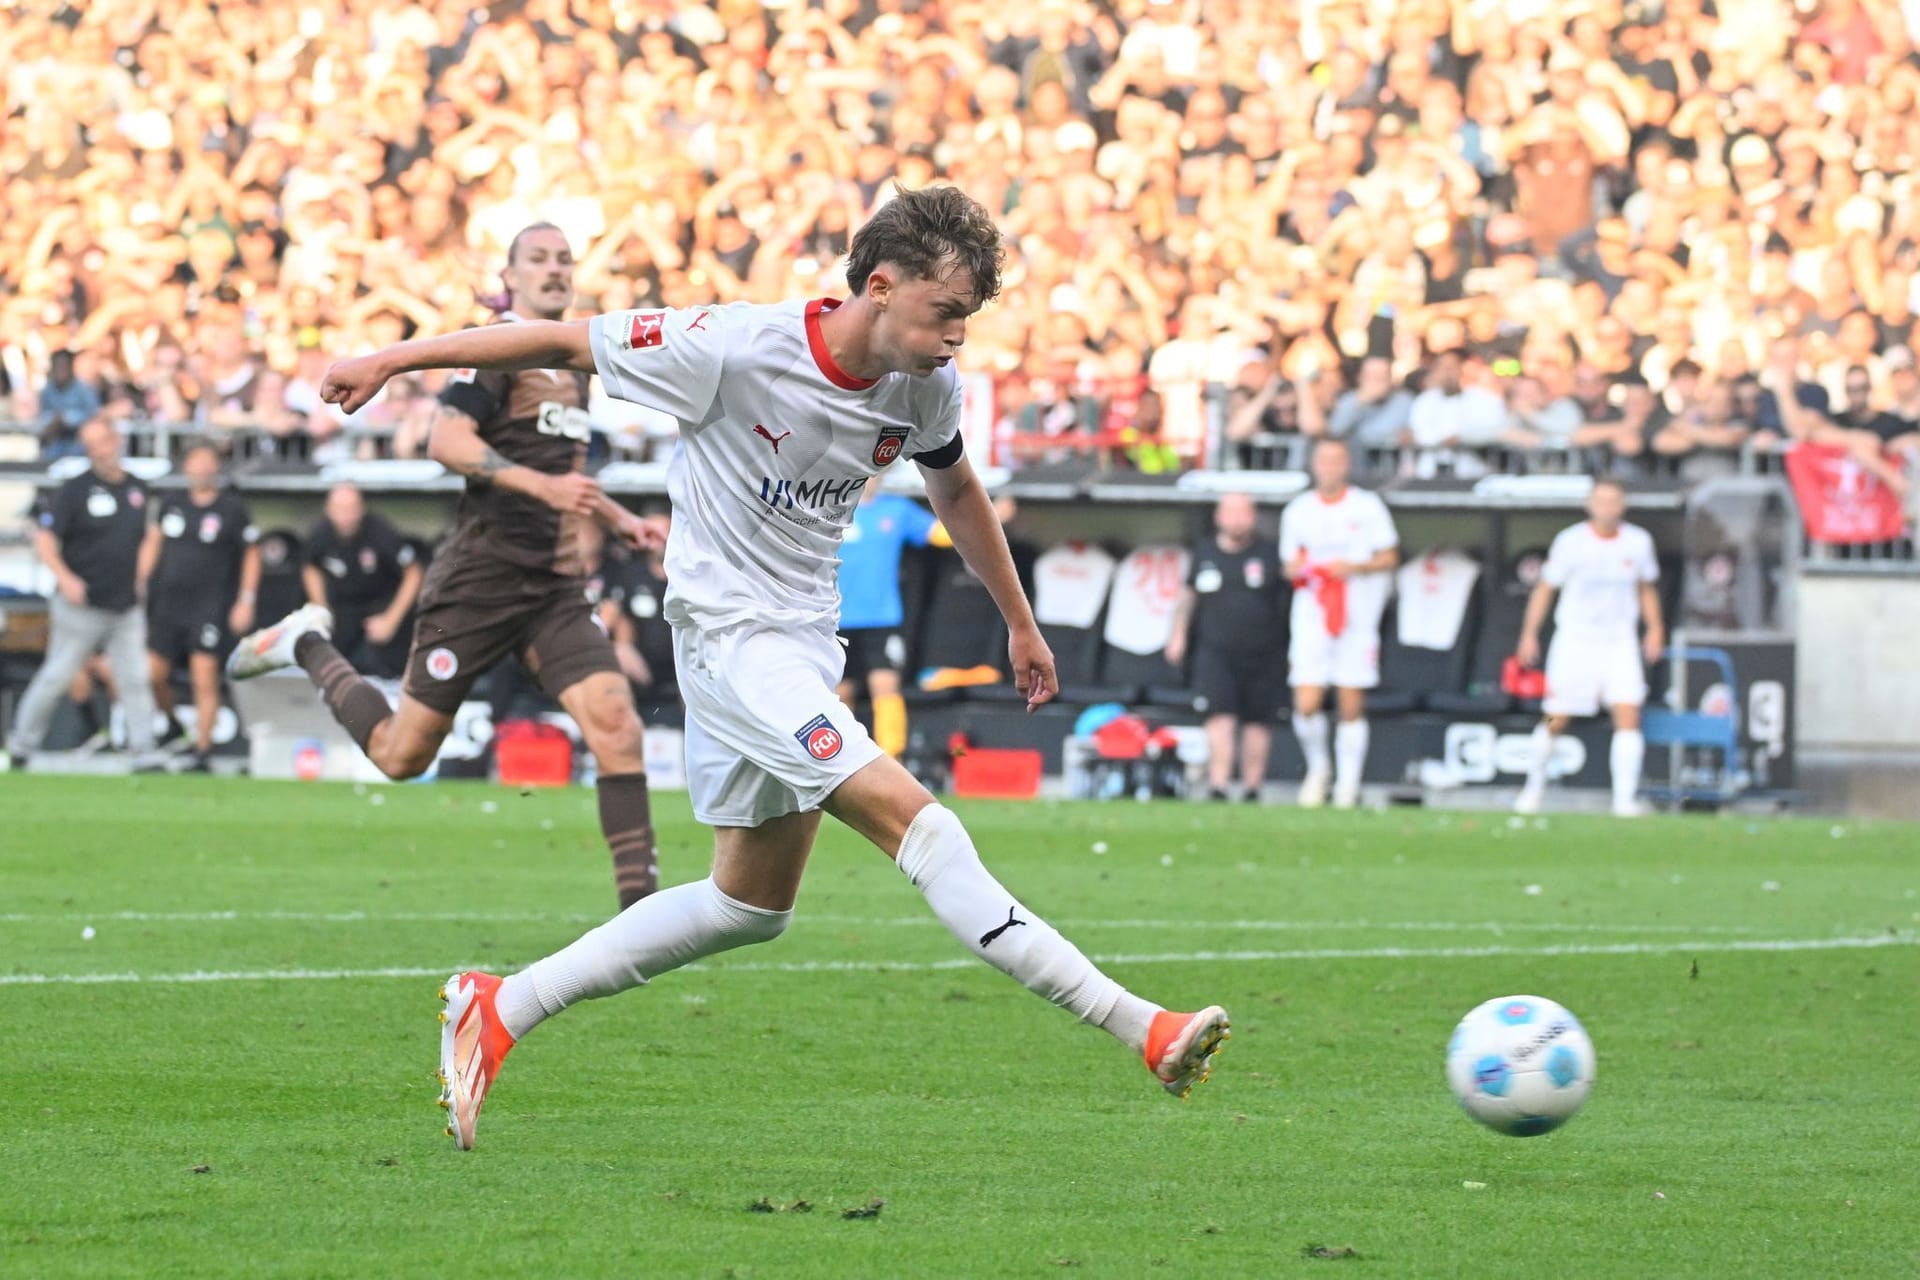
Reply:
x=1628, y=231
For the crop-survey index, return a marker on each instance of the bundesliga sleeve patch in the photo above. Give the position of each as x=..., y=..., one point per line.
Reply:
x=646, y=329
x=820, y=738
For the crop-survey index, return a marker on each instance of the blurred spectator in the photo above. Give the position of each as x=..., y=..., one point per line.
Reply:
x=1375, y=413
x=1706, y=437
x=1448, y=413
x=1536, y=419
x=204, y=209
x=65, y=403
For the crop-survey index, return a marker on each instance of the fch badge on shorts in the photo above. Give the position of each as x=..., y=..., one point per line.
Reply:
x=820, y=738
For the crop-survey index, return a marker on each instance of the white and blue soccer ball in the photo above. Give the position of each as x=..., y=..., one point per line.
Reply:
x=1520, y=1065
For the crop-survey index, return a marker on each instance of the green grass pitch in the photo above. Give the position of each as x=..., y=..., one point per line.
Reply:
x=1753, y=988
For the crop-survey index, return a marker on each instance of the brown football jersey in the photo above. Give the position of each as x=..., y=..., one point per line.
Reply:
x=535, y=418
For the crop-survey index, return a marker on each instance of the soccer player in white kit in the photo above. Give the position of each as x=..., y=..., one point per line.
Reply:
x=1340, y=547
x=1604, y=571
x=786, y=413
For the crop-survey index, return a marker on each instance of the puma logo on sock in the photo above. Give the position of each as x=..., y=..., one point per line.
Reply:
x=987, y=937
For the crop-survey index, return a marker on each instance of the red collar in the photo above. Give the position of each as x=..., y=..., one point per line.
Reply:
x=1604, y=537
x=817, y=344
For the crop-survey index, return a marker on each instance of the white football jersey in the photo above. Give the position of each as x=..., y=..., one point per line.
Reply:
x=776, y=444
x=1353, y=527
x=1599, y=578
x=1146, y=594
x=1070, y=584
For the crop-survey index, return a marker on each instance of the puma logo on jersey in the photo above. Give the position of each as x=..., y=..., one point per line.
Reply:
x=769, y=437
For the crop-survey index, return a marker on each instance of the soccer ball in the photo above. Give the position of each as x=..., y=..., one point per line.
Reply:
x=1520, y=1065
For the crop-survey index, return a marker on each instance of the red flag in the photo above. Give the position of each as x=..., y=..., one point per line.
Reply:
x=1840, y=500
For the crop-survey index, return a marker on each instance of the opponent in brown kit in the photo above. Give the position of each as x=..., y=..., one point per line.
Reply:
x=509, y=579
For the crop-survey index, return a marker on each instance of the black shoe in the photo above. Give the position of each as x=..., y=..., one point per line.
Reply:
x=1218, y=795
x=198, y=762
x=1252, y=797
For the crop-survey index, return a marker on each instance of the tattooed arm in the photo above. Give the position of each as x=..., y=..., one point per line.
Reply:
x=455, y=444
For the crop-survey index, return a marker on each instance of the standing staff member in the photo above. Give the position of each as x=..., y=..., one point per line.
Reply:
x=1340, y=548
x=89, y=536
x=359, y=567
x=201, y=564
x=1229, y=616
x=1605, y=572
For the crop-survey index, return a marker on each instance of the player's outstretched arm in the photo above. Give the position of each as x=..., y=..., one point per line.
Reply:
x=530, y=344
x=961, y=502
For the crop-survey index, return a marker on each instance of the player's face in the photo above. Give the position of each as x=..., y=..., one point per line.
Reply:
x=102, y=444
x=1330, y=467
x=922, y=323
x=344, y=511
x=202, y=469
x=1608, y=507
x=539, y=280
x=1234, y=516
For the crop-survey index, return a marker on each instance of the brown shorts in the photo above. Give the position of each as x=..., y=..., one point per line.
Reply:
x=476, y=609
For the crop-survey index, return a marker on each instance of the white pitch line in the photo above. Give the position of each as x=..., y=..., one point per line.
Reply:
x=882, y=922
x=1697, y=947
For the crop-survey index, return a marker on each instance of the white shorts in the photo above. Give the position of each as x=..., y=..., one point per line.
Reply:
x=1588, y=672
x=766, y=736
x=1316, y=660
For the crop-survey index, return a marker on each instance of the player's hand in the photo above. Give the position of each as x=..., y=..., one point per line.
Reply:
x=1336, y=568
x=1033, y=673
x=73, y=590
x=381, y=629
x=350, y=384
x=1654, y=646
x=1176, y=649
x=644, y=533
x=240, y=618
x=572, y=494
x=633, y=666
x=1529, y=651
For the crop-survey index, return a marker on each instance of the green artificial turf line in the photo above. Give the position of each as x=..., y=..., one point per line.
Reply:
x=1754, y=1112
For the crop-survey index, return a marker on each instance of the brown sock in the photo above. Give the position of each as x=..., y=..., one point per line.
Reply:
x=358, y=706
x=626, y=819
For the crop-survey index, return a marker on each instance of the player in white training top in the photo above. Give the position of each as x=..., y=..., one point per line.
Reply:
x=786, y=413
x=1604, y=570
x=1339, y=546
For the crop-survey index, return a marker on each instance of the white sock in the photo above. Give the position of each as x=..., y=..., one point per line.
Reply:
x=1539, y=751
x=1312, y=732
x=1350, y=750
x=1629, y=750
x=939, y=857
x=657, y=934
